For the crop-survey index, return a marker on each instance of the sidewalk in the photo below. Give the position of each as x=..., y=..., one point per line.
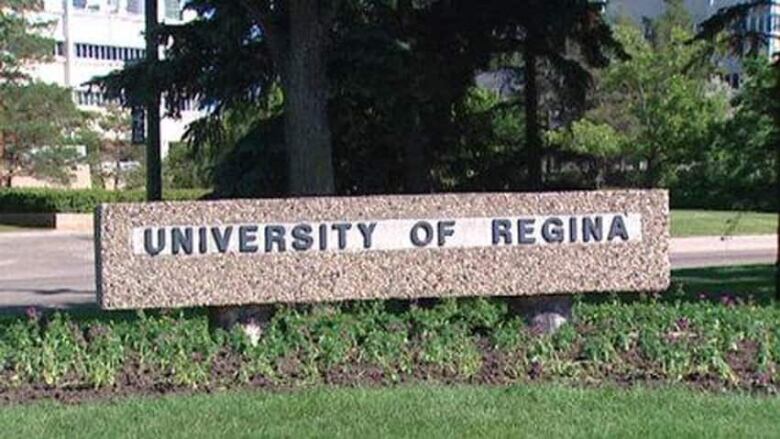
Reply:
x=703, y=244
x=711, y=251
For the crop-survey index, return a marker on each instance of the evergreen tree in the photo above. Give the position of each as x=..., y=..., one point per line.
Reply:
x=112, y=126
x=21, y=40
x=36, y=121
x=35, y=118
x=391, y=76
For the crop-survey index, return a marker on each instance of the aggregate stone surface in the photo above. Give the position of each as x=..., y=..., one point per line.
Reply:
x=128, y=280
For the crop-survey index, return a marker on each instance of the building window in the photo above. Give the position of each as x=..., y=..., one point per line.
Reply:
x=172, y=9
x=59, y=48
x=89, y=98
x=80, y=4
x=109, y=53
x=135, y=6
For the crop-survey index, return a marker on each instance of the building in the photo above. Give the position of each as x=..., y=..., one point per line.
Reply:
x=765, y=20
x=95, y=37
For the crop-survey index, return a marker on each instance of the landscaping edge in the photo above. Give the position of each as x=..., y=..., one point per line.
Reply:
x=71, y=222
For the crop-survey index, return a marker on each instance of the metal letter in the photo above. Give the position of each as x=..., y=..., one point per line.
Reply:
x=502, y=229
x=246, y=239
x=149, y=246
x=424, y=225
x=524, y=227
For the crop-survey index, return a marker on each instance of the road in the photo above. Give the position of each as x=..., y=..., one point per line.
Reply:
x=46, y=269
x=55, y=269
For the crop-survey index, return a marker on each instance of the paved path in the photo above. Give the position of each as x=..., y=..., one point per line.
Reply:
x=55, y=269
x=713, y=251
x=46, y=269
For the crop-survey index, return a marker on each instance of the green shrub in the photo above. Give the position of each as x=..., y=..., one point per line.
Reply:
x=28, y=200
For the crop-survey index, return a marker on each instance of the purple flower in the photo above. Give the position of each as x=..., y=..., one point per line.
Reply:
x=33, y=314
x=683, y=324
x=727, y=300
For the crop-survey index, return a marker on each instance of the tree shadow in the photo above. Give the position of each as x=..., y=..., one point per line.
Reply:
x=753, y=284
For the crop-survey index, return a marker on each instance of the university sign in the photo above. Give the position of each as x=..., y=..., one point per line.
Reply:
x=341, y=248
x=391, y=234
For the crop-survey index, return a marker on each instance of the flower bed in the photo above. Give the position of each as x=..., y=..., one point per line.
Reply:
x=710, y=343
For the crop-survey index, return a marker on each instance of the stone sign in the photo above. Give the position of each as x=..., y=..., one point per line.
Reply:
x=174, y=254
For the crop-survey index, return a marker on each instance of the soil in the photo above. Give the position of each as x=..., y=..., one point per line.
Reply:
x=499, y=368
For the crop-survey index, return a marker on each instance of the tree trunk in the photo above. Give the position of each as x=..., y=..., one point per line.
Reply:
x=5, y=177
x=532, y=135
x=776, y=114
x=304, y=77
x=117, y=170
x=416, y=160
x=653, y=172
x=777, y=187
x=299, y=53
x=417, y=178
x=153, y=134
x=544, y=314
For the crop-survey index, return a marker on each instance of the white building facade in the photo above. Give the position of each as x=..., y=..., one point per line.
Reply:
x=95, y=37
x=764, y=19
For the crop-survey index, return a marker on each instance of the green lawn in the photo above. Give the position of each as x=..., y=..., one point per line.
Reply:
x=9, y=228
x=423, y=411
x=754, y=283
x=16, y=228
x=716, y=223
x=745, y=281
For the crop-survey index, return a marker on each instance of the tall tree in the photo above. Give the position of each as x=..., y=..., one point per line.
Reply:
x=21, y=40
x=399, y=66
x=298, y=33
x=233, y=53
x=567, y=34
x=674, y=18
x=33, y=116
x=36, y=120
x=742, y=41
x=660, y=101
x=113, y=127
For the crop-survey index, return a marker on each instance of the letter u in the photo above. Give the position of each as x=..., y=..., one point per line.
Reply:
x=149, y=246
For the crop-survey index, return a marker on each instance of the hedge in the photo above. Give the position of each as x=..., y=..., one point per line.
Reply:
x=29, y=200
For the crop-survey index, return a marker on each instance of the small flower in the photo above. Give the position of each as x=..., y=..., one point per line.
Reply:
x=683, y=324
x=536, y=370
x=702, y=296
x=253, y=331
x=33, y=314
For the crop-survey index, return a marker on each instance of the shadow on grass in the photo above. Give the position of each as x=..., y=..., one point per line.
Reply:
x=735, y=284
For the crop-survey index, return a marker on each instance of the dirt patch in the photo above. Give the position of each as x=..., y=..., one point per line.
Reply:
x=498, y=368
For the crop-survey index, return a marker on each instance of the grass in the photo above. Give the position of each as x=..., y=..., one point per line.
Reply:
x=426, y=409
x=745, y=281
x=717, y=223
x=12, y=228
x=422, y=411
